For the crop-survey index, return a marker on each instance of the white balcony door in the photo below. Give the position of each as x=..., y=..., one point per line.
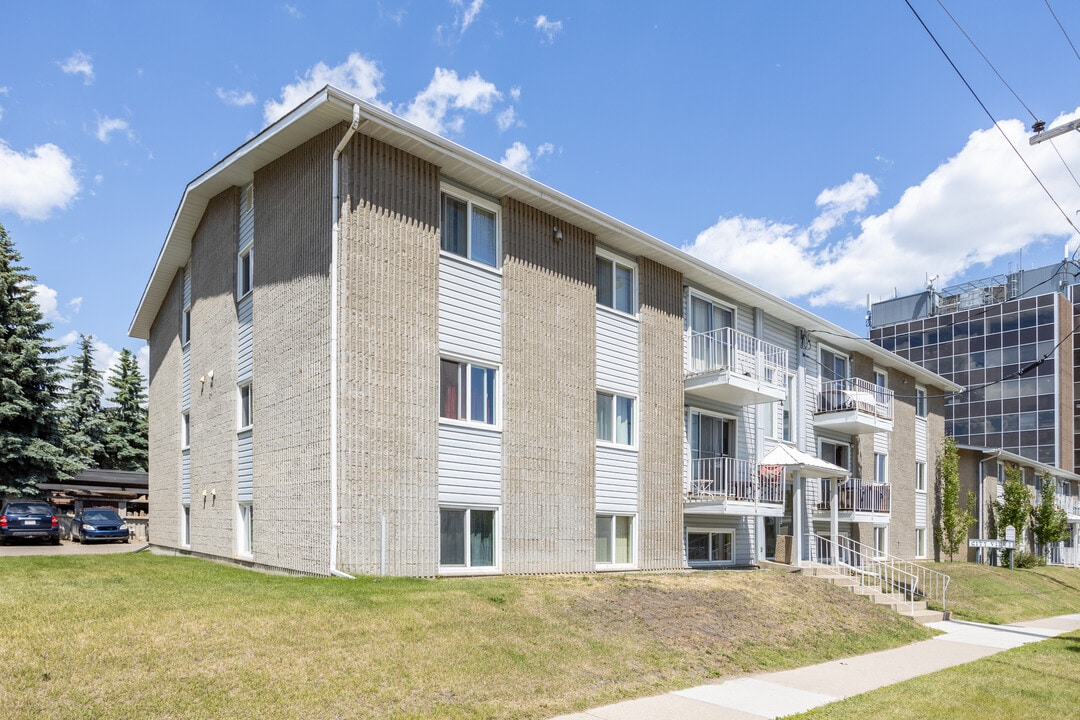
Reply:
x=705, y=318
x=833, y=366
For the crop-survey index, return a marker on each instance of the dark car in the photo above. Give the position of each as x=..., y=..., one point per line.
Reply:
x=99, y=524
x=29, y=519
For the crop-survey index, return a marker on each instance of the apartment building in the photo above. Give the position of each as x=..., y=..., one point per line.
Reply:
x=373, y=351
x=1009, y=341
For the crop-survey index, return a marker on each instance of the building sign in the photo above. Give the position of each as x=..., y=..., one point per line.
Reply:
x=995, y=544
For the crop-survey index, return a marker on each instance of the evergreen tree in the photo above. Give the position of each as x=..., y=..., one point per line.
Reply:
x=1049, y=522
x=954, y=522
x=127, y=440
x=29, y=384
x=1014, y=508
x=83, y=422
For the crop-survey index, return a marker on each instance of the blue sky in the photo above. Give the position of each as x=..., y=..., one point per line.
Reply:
x=824, y=150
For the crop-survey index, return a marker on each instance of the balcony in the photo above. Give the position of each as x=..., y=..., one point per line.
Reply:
x=854, y=406
x=857, y=501
x=729, y=486
x=1069, y=505
x=732, y=367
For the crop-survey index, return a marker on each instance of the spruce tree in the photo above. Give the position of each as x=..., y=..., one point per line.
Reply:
x=127, y=440
x=29, y=384
x=83, y=422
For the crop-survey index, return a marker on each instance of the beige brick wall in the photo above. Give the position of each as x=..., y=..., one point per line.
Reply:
x=164, y=415
x=291, y=349
x=549, y=369
x=389, y=355
x=902, y=466
x=1063, y=364
x=660, y=527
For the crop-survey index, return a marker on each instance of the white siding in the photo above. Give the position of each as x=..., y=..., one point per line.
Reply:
x=921, y=444
x=185, y=477
x=185, y=378
x=244, y=466
x=617, y=352
x=920, y=510
x=616, y=480
x=247, y=216
x=244, y=339
x=881, y=443
x=470, y=465
x=470, y=310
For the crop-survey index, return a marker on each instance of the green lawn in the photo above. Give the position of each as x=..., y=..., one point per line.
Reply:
x=147, y=636
x=999, y=595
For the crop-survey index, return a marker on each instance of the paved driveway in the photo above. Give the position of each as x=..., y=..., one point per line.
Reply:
x=67, y=547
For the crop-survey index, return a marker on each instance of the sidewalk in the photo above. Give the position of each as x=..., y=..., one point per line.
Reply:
x=783, y=693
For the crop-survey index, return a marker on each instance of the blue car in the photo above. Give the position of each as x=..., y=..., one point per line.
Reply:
x=29, y=520
x=99, y=524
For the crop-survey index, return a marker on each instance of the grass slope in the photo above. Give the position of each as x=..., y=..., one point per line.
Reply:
x=148, y=636
x=999, y=595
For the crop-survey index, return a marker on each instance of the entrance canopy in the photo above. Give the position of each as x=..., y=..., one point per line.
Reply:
x=807, y=465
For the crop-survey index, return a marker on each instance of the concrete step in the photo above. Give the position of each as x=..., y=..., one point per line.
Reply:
x=924, y=616
x=840, y=581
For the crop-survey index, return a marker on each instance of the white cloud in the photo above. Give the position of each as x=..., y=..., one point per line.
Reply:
x=520, y=159
x=79, y=64
x=357, y=75
x=3, y=91
x=45, y=297
x=468, y=13
x=34, y=184
x=548, y=28
x=107, y=126
x=507, y=119
x=976, y=207
x=515, y=93
x=431, y=108
x=236, y=98
x=75, y=304
x=294, y=11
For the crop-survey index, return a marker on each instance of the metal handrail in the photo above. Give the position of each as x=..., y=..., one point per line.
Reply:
x=735, y=479
x=858, y=495
x=865, y=563
x=731, y=349
x=855, y=394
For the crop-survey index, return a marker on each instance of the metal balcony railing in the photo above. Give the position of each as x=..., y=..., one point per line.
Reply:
x=855, y=394
x=729, y=349
x=855, y=495
x=735, y=479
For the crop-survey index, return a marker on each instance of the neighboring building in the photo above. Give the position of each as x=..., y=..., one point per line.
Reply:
x=1008, y=340
x=982, y=472
x=374, y=351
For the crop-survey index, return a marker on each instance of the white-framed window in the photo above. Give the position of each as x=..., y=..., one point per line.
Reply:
x=185, y=525
x=245, y=272
x=881, y=468
x=185, y=325
x=881, y=540
x=244, y=408
x=710, y=546
x=881, y=378
x=470, y=227
x=788, y=407
x=615, y=418
x=1001, y=473
x=614, y=540
x=468, y=537
x=920, y=476
x=616, y=283
x=468, y=391
x=922, y=408
x=767, y=419
x=834, y=366
x=245, y=531
x=837, y=453
x=185, y=430
x=920, y=542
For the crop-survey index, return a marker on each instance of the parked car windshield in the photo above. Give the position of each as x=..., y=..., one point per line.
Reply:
x=101, y=515
x=29, y=509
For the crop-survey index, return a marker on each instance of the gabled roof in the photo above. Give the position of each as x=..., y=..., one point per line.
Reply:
x=331, y=106
x=1005, y=455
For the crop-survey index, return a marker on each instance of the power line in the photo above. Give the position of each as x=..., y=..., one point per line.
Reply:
x=1063, y=31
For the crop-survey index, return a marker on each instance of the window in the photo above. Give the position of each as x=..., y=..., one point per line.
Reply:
x=881, y=541
x=185, y=326
x=185, y=430
x=245, y=279
x=466, y=537
x=833, y=365
x=615, y=285
x=836, y=453
x=920, y=477
x=245, y=416
x=185, y=525
x=614, y=418
x=710, y=546
x=470, y=229
x=768, y=419
x=614, y=540
x=467, y=392
x=921, y=407
x=245, y=532
x=881, y=380
x=920, y=542
x=1001, y=473
x=881, y=470
x=788, y=404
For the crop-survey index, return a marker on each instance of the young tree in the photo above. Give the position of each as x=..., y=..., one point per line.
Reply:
x=1014, y=508
x=1049, y=522
x=83, y=422
x=954, y=522
x=29, y=383
x=127, y=439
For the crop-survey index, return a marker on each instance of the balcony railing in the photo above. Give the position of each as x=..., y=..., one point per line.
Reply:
x=855, y=394
x=729, y=349
x=1067, y=504
x=855, y=495
x=734, y=479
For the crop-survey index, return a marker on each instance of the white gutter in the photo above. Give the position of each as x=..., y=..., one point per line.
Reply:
x=335, y=524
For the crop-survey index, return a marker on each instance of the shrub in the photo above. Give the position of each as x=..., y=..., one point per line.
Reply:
x=1025, y=560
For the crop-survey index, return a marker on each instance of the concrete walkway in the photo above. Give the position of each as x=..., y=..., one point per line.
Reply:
x=783, y=693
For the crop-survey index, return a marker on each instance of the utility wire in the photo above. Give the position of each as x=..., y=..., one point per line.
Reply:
x=992, y=119
x=1063, y=31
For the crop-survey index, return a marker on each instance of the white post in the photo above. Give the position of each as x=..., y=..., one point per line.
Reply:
x=834, y=519
x=797, y=520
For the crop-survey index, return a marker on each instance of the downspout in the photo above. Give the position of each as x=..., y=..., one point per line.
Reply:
x=335, y=214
